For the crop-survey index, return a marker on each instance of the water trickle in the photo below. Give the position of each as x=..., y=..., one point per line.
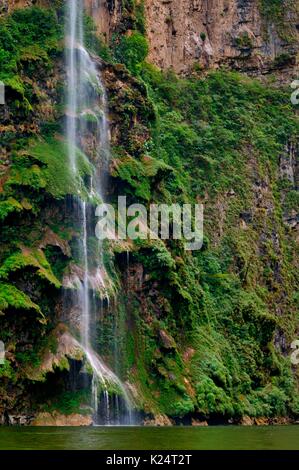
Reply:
x=86, y=98
x=85, y=288
x=107, y=406
x=94, y=392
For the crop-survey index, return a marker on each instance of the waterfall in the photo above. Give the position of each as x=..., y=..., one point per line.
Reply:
x=86, y=97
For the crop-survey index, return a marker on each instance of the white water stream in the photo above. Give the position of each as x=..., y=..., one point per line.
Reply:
x=86, y=96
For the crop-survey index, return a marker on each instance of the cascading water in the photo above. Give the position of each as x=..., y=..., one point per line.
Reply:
x=86, y=100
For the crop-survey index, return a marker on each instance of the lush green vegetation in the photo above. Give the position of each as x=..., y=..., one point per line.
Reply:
x=206, y=333
x=29, y=47
x=28, y=38
x=275, y=12
x=69, y=402
x=131, y=50
x=60, y=180
x=218, y=134
x=12, y=297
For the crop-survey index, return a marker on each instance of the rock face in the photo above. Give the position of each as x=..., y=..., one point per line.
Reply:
x=6, y=6
x=57, y=419
x=183, y=35
x=107, y=15
x=289, y=170
x=198, y=423
x=15, y=420
x=246, y=421
x=67, y=348
x=245, y=34
x=211, y=32
x=248, y=35
x=158, y=420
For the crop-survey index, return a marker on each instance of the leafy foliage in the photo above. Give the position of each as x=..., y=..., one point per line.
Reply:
x=201, y=326
x=11, y=297
x=60, y=180
x=132, y=51
x=31, y=28
x=215, y=133
x=28, y=257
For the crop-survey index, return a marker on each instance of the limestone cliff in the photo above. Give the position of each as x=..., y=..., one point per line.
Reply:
x=202, y=336
x=7, y=6
x=241, y=33
x=249, y=35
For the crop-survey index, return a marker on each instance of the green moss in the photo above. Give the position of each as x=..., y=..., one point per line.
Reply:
x=29, y=358
x=176, y=406
x=205, y=125
x=219, y=135
x=212, y=399
x=276, y=12
x=291, y=201
x=11, y=297
x=217, y=140
x=31, y=176
x=138, y=173
x=59, y=179
x=27, y=34
x=284, y=59
x=6, y=371
x=131, y=51
x=29, y=257
x=69, y=402
x=244, y=41
x=140, y=16
x=9, y=205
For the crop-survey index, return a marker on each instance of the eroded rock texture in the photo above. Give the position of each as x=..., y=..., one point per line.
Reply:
x=249, y=35
x=205, y=337
x=212, y=32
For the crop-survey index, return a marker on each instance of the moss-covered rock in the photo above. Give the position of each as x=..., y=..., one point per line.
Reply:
x=202, y=334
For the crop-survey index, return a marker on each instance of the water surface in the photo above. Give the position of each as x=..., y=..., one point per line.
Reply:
x=147, y=438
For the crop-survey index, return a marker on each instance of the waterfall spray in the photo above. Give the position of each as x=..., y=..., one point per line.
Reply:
x=86, y=95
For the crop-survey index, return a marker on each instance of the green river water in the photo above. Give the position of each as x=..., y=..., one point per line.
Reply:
x=147, y=438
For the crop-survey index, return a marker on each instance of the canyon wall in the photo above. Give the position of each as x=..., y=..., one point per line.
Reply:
x=212, y=32
x=248, y=35
x=205, y=336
